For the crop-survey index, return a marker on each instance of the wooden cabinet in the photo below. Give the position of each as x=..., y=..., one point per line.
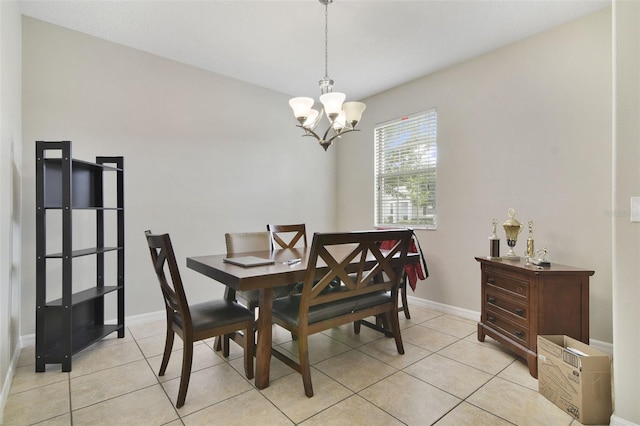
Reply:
x=79, y=219
x=521, y=301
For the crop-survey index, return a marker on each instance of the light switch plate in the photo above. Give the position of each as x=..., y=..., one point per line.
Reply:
x=635, y=209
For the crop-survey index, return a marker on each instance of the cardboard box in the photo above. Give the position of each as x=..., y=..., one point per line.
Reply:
x=575, y=377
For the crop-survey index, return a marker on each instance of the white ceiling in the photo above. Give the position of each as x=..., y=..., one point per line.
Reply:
x=374, y=45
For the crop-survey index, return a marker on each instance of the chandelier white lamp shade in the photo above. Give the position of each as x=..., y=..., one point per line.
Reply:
x=343, y=116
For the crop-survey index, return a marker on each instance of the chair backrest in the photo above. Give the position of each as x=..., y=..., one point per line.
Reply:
x=164, y=260
x=374, y=269
x=242, y=242
x=287, y=236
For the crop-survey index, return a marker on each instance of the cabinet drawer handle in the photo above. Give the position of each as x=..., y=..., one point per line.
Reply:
x=491, y=280
x=491, y=299
x=519, y=333
x=520, y=311
x=491, y=318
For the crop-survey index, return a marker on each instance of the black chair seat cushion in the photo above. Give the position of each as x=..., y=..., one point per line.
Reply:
x=215, y=313
x=251, y=296
x=287, y=308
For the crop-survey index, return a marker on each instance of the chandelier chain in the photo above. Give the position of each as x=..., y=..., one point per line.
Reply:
x=326, y=42
x=343, y=116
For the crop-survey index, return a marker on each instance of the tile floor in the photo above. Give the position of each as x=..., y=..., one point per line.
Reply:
x=446, y=377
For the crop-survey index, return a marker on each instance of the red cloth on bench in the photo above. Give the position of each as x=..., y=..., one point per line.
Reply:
x=413, y=271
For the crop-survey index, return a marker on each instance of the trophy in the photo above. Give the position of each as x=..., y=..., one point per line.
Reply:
x=512, y=228
x=494, y=242
x=541, y=258
x=530, y=251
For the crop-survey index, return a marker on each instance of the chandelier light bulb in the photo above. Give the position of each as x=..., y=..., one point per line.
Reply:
x=332, y=103
x=340, y=122
x=312, y=119
x=353, y=112
x=301, y=108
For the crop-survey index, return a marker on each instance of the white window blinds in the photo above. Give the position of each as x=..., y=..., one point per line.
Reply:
x=405, y=174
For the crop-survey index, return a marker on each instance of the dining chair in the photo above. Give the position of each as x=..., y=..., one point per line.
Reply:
x=242, y=242
x=246, y=242
x=288, y=236
x=412, y=273
x=370, y=281
x=195, y=322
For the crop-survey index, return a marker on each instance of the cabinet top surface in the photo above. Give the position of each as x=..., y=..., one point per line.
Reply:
x=521, y=266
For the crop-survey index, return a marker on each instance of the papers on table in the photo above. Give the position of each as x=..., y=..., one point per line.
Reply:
x=247, y=261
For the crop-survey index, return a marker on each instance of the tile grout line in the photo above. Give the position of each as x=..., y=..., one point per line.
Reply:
x=157, y=377
x=361, y=349
x=70, y=400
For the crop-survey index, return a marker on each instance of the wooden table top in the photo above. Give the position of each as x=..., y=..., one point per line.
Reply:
x=255, y=277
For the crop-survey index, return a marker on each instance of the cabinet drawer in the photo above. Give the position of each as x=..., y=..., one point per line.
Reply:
x=518, y=333
x=502, y=305
x=514, y=287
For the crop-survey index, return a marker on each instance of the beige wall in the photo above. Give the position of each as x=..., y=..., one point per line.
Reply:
x=204, y=154
x=10, y=179
x=626, y=250
x=526, y=126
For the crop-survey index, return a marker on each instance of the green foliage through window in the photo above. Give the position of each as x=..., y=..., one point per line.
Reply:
x=405, y=174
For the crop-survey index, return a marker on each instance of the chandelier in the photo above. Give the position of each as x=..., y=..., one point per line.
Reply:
x=343, y=116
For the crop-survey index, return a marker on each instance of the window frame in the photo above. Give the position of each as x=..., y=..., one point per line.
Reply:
x=403, y=138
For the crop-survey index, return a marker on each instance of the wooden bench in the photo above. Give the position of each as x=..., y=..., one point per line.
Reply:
x=370, y=280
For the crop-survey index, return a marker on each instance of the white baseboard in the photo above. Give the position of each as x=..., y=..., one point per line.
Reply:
x=30, y=339
x=617, y=421
x=4, y=395
x=27, y=340
x=447, y=309
x=475, y=316
x=602, y=346
x=144, y=318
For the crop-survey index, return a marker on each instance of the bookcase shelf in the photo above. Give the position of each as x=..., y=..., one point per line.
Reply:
x=83, y=252
x=85, y=295
x=69, y=324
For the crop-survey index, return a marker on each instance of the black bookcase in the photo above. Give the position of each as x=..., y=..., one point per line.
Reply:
x=66, y=187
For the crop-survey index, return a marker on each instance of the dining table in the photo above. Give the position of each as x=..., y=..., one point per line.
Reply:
x=289, y=267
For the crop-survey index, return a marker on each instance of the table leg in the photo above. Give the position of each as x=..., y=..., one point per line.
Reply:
x=263, y=348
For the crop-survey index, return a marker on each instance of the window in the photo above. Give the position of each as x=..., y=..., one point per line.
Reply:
x=405, y=175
